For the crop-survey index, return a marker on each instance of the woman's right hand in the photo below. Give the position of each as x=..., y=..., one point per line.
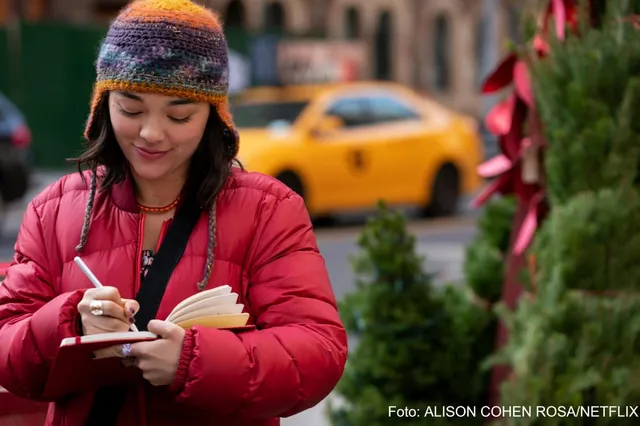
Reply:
x=117, y=313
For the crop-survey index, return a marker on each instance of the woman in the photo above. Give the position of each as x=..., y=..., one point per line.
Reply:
x=160, y=137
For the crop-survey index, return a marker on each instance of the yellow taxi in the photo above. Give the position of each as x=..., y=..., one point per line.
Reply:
x=345, y=146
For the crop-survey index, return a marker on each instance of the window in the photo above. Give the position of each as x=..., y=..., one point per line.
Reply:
x=106, y=10
x=353, y=24
x=16, y=8
x=8, y=109
x=36, y=10
x=235, y=14
x=274, y=17
x=10, y=117
x=483, y=37
x=352, y=111
x=383, y=47
x=385, y=109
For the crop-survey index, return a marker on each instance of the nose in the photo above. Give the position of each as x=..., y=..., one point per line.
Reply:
x=152, y=131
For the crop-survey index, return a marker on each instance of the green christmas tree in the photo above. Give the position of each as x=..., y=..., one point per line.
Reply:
x=417, y=346
x=573, y=338
x=485, y=257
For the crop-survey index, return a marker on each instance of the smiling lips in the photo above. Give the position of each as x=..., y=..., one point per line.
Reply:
x=150, y=155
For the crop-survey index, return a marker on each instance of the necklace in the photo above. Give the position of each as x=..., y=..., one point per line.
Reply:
x=159, y=209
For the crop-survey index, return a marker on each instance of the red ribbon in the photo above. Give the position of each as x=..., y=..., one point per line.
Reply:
x=506, y=120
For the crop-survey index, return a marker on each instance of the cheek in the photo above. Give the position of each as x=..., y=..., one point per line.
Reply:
x=187, y=137
x=125, y=129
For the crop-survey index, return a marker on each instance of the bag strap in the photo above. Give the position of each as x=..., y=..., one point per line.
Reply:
x=164, y=262
x=109, y=400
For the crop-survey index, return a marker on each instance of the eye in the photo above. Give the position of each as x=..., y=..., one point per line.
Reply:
x=128, y=113
x=180, y=120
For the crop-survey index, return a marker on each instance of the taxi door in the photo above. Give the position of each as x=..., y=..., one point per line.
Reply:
x=339, y=162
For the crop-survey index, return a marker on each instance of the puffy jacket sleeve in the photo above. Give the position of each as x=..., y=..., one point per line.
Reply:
x=297, y=355
x=33, y=318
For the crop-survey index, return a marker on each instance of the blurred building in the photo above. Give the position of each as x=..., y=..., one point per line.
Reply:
x=435, y=46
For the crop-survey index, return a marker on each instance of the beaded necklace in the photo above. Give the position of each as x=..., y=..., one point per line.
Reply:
x=164, y=209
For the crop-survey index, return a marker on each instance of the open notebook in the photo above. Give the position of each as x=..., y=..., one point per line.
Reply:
x=74, y=369
x=215, y=308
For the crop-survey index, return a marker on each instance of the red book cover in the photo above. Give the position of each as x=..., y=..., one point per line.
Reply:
x=75, y=370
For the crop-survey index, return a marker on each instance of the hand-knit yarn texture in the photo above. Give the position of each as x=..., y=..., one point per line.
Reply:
x=171, y=47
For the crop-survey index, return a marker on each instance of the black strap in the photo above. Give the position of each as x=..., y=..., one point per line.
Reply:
x=109, y=400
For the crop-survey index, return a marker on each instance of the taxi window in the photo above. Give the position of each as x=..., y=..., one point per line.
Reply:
x=352, y=111
x=385, y=108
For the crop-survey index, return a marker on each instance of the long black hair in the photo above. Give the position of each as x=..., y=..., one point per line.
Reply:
x=209, y=169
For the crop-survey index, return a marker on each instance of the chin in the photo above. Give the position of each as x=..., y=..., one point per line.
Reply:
x=149, y=171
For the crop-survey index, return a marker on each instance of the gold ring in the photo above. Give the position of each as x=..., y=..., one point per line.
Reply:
x=95, y=307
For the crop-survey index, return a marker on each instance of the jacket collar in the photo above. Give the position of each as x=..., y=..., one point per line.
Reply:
x=123, y=195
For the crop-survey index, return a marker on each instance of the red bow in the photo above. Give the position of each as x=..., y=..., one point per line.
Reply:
x=517, y=169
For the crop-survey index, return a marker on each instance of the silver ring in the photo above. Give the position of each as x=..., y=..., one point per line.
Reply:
x=96, y=307
x=126, y=350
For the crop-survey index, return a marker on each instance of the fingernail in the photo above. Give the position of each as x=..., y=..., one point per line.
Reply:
x=133, y=311
x=132, y=320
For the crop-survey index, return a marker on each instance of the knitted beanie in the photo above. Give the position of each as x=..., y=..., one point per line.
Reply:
x=170, y=47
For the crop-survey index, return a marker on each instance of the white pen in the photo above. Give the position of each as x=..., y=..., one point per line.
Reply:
x=96, y=283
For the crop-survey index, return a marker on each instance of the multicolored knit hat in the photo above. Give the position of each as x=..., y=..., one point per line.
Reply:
x=171, y=47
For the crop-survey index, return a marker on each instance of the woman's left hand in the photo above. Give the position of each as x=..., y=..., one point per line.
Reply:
x=158, y=359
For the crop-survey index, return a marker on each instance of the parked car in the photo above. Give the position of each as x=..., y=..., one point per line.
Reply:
x=345, y=146
x=15, y=140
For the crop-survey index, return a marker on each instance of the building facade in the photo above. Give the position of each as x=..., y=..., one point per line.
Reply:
x=434, y=46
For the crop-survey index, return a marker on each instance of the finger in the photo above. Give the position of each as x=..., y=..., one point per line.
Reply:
x=105, y=353
x=116, y=351
x=141, y=349
x=109, y=309
x=129, y=361
x=104, y=324
x=105, y=293
x=114, y=310
x=163, y=329
x=131, y=307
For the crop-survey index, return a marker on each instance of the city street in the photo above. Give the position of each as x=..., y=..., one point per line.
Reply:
x=441, y=241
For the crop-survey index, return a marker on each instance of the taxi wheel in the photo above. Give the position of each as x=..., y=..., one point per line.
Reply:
x=292, y=181
x=445, y=194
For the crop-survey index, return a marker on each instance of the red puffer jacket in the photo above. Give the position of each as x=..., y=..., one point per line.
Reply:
x=266, y=251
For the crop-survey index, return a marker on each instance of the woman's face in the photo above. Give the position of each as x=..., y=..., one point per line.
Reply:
x=157, y=134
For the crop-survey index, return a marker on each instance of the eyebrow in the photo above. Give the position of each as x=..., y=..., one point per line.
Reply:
x=173, y=102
